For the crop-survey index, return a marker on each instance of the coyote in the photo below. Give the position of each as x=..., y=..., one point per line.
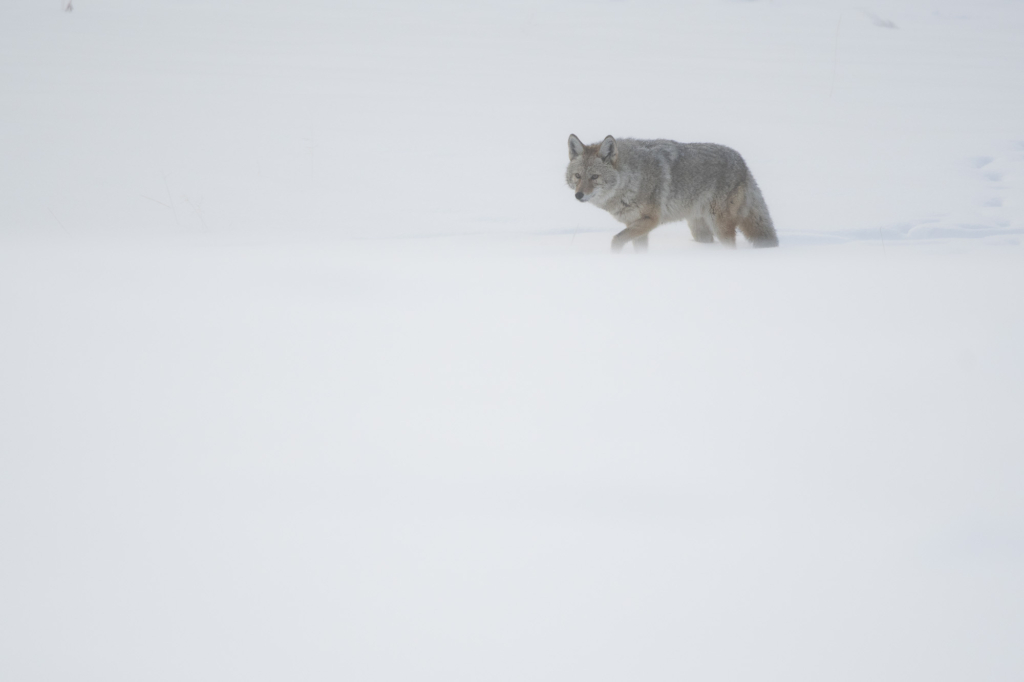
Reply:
x=644, y=183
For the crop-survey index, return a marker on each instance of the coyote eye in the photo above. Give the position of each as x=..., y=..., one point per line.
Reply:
x=594, y=177
x=577, y=176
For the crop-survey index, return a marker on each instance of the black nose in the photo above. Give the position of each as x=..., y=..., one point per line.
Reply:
x=579, y=195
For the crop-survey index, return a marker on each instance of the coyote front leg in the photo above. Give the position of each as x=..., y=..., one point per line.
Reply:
x=635, y=232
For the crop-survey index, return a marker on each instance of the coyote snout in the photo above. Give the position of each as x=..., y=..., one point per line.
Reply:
x=644, y=183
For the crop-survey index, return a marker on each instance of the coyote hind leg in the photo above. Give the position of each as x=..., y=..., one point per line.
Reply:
x=700, y=230
x=725, y=229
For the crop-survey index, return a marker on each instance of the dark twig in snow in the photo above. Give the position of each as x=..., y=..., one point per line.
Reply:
x=57, y=219
x=171, y=199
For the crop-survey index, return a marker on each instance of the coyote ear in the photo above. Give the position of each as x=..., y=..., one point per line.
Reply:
x=575, y=147
x=609, y=150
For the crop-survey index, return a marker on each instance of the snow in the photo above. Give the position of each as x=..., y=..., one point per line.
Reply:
x=312, y=368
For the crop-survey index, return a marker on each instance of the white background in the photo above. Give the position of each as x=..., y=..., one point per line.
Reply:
x=312, y=368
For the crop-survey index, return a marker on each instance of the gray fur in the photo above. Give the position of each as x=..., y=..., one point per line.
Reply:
x=645, y=183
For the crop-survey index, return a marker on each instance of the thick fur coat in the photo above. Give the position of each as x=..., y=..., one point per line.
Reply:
x=644, y=183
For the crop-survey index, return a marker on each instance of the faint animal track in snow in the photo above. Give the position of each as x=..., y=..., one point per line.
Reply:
x=994, y=214
x=999, y=181
x=879, y=21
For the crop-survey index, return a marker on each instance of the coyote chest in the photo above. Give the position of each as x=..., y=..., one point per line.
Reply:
x=624, y=211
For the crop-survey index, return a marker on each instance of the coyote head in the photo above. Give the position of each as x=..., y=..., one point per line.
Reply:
x=591, y=168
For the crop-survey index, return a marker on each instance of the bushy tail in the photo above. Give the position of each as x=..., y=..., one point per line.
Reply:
x=756, y=224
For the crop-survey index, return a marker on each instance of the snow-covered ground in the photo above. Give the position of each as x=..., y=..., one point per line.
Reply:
x=311, y=367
